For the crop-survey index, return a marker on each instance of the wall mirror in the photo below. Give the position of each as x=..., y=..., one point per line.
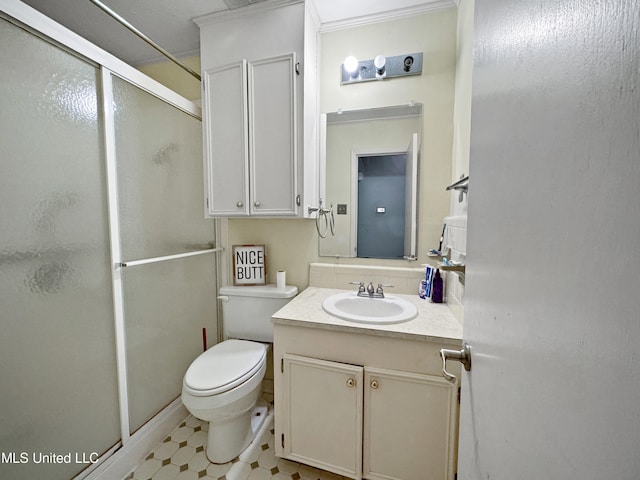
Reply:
x=371, y=161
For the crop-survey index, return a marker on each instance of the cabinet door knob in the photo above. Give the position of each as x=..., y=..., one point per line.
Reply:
x=239, y=204
x=351, y=382
x=374, y=384
x=256, y=204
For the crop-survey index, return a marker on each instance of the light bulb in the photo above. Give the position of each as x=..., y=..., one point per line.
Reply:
x=380, y=61
x=351, y=65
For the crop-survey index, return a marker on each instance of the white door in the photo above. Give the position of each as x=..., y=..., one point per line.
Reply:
x=552, y=301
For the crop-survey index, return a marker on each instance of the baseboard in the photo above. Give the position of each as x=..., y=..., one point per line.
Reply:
x=129, y=456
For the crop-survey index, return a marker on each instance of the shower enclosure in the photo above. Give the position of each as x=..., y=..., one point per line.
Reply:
x=107, y=265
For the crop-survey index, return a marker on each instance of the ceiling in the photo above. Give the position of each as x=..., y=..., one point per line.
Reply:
x=169, y=22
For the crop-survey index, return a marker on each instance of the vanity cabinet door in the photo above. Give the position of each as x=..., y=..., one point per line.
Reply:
x=409, y=426
x=323, y=414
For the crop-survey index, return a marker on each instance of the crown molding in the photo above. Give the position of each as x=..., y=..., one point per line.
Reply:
x=425, y=8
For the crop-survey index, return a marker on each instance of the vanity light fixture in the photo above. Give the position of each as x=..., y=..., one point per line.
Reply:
x=380, y=68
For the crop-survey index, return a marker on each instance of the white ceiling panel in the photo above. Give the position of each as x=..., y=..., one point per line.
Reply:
x=169, y=22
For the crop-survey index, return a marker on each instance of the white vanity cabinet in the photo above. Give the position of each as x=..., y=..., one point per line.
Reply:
x=362, y=405
x=259, y=110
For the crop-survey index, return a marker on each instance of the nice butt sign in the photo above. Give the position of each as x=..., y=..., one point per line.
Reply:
x=249, y=265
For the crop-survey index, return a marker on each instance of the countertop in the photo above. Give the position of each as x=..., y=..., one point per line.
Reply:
x=434, y=322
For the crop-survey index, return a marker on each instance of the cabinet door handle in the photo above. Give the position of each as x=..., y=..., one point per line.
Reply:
x=374, y=384
x=239, y=204
x=256, y=204
x=351, y=382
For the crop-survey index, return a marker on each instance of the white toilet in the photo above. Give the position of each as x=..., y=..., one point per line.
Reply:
x=224, y=384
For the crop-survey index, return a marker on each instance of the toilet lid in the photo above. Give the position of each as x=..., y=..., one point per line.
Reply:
x=224, y=366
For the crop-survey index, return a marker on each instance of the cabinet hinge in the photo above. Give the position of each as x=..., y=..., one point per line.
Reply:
x=458, y=395
x=282, y=440
x=282, y=365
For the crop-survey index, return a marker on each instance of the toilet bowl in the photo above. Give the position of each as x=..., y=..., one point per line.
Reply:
x=222, y=386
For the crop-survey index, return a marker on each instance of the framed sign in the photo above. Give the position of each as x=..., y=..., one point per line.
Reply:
x=249, y=265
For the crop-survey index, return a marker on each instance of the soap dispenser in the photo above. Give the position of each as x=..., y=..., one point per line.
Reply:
x=436, y=295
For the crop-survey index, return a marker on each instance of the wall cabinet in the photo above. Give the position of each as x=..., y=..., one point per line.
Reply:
x=250, y=142
x=260, y=110
x=364, y=406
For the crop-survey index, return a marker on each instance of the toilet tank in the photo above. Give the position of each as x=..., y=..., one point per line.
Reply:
x=247, y=311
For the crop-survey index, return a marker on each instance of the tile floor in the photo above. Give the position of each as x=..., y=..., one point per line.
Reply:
x=181, y=456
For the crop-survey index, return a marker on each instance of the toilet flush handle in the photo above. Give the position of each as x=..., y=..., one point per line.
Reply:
x=224, y=298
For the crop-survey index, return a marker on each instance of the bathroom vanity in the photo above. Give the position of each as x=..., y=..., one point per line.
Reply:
x=366, y=400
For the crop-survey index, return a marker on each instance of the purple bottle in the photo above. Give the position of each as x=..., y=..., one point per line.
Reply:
x=436, y=295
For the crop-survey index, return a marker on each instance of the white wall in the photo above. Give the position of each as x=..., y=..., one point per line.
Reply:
x=456, y=233
x=462, y=104
x=171, y=75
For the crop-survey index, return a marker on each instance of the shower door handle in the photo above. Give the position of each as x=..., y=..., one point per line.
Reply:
x=463, y=356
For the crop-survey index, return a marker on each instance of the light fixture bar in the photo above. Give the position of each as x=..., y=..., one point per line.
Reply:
x=396, y=66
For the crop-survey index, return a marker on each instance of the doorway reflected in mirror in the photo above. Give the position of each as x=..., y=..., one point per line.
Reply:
x=372, y=159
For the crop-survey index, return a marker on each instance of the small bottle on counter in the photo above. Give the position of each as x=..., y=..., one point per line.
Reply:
x=422, y=290
x=436, y=295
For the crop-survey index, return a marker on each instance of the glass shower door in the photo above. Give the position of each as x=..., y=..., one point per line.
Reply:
x=57, y=348
x=167, y=304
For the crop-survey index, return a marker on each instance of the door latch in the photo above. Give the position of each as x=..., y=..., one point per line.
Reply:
x=463, y=356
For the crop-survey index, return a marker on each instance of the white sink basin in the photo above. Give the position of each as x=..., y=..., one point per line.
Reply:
x=349, y=306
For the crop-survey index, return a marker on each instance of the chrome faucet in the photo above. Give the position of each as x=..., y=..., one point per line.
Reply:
x=370, y=291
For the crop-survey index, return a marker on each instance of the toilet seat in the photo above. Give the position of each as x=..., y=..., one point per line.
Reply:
x=223, y=367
